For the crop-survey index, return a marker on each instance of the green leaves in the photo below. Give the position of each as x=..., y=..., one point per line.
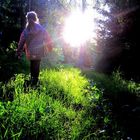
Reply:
x=65, y=105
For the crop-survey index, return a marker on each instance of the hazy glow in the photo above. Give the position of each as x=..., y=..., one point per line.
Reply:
x=105, y=7
x=81, y=26
x=78, y=28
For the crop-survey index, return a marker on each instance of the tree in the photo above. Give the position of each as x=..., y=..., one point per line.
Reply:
x=120, y=47
x=11, y=15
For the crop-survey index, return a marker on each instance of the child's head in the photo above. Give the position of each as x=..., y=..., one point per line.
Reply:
x=32, y=17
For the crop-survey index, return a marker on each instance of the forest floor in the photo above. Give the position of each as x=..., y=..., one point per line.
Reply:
x=128, y=115
x=125, y=106
x=126, y=110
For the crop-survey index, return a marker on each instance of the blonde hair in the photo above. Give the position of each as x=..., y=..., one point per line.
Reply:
x=31, y=18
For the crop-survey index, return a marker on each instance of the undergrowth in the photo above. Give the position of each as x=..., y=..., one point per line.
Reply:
x=64, y=105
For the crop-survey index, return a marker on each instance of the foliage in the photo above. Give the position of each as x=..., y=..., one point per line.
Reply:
x=120, y=44
x=63, y=106
x=53, y=60
x=115, y=87
x=66, y=105
x=9, y=63
x=117, y=42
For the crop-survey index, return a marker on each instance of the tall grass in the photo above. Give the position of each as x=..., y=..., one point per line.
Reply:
x=65, y=105
x=114, y=83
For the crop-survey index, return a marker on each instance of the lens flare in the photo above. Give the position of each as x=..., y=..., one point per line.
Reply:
x=78, y=28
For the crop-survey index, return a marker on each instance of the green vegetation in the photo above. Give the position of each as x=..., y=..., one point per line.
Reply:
x=64, y=105
x=9, y=63
x=115, y=86
x=70, y=104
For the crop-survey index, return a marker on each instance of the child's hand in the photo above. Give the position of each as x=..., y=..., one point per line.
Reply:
x=18, y=55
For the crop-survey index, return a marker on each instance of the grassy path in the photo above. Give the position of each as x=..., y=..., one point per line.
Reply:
x=67, y=104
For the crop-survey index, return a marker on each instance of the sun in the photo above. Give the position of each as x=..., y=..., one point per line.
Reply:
x=78, y=28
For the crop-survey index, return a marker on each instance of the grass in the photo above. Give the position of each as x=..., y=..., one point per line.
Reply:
x=65, y=105
x=113, y=84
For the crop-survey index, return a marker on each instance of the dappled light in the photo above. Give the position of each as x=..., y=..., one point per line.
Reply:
x=63, y=100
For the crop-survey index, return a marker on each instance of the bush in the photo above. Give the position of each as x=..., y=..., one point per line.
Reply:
x=9, y=64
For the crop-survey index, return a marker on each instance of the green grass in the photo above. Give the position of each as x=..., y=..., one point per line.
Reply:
x=65, y=105
x=113, y=84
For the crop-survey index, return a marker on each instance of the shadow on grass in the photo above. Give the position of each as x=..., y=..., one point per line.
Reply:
x=125, y=100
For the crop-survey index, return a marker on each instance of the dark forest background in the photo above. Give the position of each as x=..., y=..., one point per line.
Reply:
x=120, y=48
